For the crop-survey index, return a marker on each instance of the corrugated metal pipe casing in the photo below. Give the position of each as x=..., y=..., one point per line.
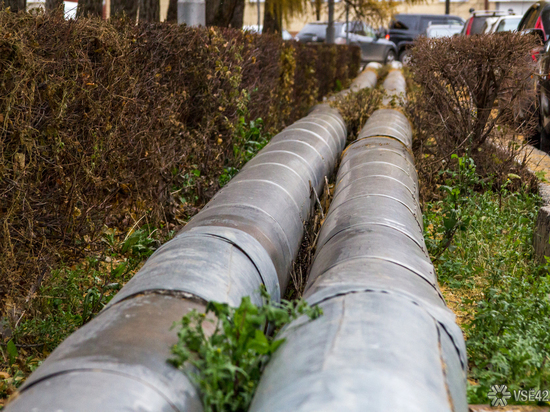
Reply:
x=367, y=79
x=396, y=88
x=386, y=341
x=247, y=235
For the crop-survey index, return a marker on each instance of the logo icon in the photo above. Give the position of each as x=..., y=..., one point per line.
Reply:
x=499, y=395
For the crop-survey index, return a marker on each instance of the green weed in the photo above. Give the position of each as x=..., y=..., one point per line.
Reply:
x=491, y=264
x=250, y=138
x=445, y=218
x=229, y=362
x=72, y=296
x=69, y=298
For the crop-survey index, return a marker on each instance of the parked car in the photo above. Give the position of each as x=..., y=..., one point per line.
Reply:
x=404, y=28
x=254, y=29
x=373, y=47
x=543, y=94
x=537, y=20
x=476, y=23
x=442, y=30
x=502, y=23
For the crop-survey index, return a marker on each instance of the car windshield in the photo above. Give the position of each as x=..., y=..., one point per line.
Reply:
x=508, y=24
x=319, y=30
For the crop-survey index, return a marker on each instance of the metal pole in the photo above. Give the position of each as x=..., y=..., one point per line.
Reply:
x=330, y=26
x=258, y=4
x=192, y=12
x=447, y=6
x=347, y=22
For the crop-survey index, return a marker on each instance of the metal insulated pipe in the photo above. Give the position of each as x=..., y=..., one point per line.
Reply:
x=247, y=235
x=395, y=86
x=386, y=341
x=367, y=78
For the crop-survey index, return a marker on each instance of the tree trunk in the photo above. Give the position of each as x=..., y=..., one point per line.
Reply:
x=89, y=8
x=149, y=10
x=238, y=15
x=211, y=11
x=15, y=5
x=54, y=5
x=318, y=4
x=273, y=19
x=172, y=15
x=124, y=7
x=225, y=13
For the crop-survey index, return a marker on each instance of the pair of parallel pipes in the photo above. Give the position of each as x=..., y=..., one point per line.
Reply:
x=246, y=236
x=386, y=340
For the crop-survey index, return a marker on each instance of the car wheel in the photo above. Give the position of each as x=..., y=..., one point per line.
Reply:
x=390, y=57
x=405, y=57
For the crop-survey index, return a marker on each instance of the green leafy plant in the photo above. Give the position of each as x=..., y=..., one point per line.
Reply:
x=72, y=296
x=250, y=138
x=459, y=186
x=228, y=363
x=141, y=243
x=504, y=290
x=509, y=337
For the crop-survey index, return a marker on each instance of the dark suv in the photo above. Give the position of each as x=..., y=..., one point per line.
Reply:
x=404, y=28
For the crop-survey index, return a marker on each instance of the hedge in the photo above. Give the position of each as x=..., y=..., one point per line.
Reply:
x=104, y=120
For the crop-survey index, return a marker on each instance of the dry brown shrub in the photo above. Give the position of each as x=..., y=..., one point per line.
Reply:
x=105, y=123
x=469, y=89
x=356, y=108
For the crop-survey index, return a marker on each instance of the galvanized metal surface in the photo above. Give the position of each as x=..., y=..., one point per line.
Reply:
x=384, y=276
x=247, y=235
x=395, y=87
x=369, y=351
x=396, y=65
x=372, y=211
x=388, y=123
x=117, y=362
x=186, y=264
x=386, y=341
x=378, y=152
x=366, y=80
x=272, y=197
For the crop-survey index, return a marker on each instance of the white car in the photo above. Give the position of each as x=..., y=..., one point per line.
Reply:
x=443, y=30
x=254, y=29
x=502, y=23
